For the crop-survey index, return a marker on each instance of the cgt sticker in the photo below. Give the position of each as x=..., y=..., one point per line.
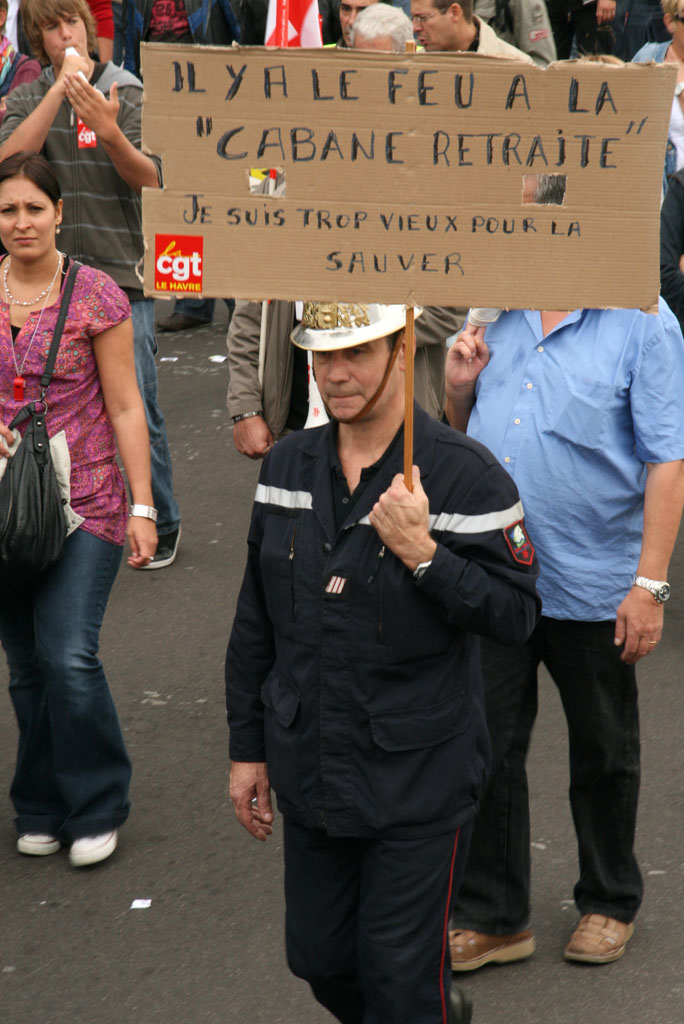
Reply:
x=87, y=139
x=178, y=263
x=519, y=543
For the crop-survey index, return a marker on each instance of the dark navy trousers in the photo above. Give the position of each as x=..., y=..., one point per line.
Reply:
x=367, y=921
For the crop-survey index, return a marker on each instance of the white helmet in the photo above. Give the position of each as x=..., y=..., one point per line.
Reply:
x=327, y=326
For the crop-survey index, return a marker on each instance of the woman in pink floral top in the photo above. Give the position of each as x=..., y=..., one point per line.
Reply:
x=72, y=775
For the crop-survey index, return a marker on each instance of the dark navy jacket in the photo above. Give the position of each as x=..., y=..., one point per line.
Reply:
x=359, y=686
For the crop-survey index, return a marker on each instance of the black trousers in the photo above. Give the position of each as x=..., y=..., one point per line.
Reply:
x=367, y=919
x=599, y=696
x=572, y=18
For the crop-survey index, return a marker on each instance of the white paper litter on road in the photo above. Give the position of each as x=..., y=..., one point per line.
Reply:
x=217, y=359
x=141, y=904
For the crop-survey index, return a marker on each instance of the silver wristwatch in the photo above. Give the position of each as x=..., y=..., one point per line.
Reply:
x=659, y=588
x=144, y=511
x=421, y=569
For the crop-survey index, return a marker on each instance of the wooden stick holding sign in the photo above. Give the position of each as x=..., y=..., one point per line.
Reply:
x=409, y=343
x=409, y=346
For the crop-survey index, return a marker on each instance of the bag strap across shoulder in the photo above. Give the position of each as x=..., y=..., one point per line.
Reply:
x=32, y=408
x=59, y=327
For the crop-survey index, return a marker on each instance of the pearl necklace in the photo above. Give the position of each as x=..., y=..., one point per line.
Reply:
x=46, y=291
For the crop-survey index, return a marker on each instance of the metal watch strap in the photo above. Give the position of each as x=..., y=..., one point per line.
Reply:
x=660, y=589
x=145, y=512
x=244, y=416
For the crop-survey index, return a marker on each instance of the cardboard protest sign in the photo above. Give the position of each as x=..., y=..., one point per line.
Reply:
x=418, y=178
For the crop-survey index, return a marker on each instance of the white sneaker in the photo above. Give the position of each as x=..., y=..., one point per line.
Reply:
x=92, y=849
x=37, y=845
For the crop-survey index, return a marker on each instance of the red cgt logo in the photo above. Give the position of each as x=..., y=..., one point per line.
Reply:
x=178, y=263
x=87, y=139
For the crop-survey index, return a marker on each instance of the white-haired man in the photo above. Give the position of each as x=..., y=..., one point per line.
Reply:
x=381, y=27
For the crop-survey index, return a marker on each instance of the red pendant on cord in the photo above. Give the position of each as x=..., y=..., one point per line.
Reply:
x=19, y=385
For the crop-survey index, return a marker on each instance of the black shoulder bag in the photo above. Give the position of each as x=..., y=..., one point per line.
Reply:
x=32, y=520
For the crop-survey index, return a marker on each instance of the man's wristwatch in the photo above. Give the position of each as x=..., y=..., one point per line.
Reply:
x=244, y=416
x=421, y=569
x=659, y=588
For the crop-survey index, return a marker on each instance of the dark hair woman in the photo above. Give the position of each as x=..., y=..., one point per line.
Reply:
x=72, y=774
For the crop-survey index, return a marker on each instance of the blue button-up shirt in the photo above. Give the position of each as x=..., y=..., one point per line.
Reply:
x=574, y=417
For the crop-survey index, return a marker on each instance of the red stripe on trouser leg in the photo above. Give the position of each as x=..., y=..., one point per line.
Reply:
x=445, y=934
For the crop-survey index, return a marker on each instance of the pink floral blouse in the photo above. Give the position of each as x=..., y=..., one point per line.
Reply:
x=75, y=401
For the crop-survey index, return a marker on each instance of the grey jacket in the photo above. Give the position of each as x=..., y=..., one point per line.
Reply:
x=433, y=327
x=522, y=23
x=102, y=223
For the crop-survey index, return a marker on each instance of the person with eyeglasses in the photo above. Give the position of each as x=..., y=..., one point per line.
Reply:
x=444, y=25
x=670, y=52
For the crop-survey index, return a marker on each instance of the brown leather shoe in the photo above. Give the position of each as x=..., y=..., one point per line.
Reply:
x=470, y=950
x=598, y=940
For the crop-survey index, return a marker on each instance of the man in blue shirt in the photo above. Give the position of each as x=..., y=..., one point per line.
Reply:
x=584, y=409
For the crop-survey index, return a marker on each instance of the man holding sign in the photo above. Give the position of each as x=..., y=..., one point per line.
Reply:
x=352, y=672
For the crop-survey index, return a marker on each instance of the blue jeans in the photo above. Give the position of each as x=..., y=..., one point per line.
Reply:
x=146, y=372
x=117, y=14
x=644, y=24
x=200, y=309
x=72, y=772
x=599, y=697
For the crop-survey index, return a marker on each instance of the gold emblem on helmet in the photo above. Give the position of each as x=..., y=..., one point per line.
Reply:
x=325, y=316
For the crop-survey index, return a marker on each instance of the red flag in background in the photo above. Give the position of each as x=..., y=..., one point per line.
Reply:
x=293, y=23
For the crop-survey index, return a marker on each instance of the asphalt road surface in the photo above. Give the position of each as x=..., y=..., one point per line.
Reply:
x=209, y=948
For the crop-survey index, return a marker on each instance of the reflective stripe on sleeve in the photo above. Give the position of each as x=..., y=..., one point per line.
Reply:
x=454, y=522
x=283, y=498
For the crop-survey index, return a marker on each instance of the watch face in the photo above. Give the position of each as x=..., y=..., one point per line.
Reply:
x=663, y=592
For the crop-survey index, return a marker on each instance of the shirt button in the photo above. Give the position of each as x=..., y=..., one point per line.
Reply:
x=327, y=548
x=345, y=501
x=540, y=348
x=507, y=459
x=517, y=422
x=529, y=386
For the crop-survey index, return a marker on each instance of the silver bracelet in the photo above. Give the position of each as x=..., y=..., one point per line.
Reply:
x=144, y=511
x=244, y=416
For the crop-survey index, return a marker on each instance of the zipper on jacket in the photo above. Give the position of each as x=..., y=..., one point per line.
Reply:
x=292, y=576
x=376, y=570
x=371, y=579
x=76, y=212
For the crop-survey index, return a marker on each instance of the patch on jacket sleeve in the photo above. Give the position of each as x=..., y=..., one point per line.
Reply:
x=337, y=587
x=519, y=543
